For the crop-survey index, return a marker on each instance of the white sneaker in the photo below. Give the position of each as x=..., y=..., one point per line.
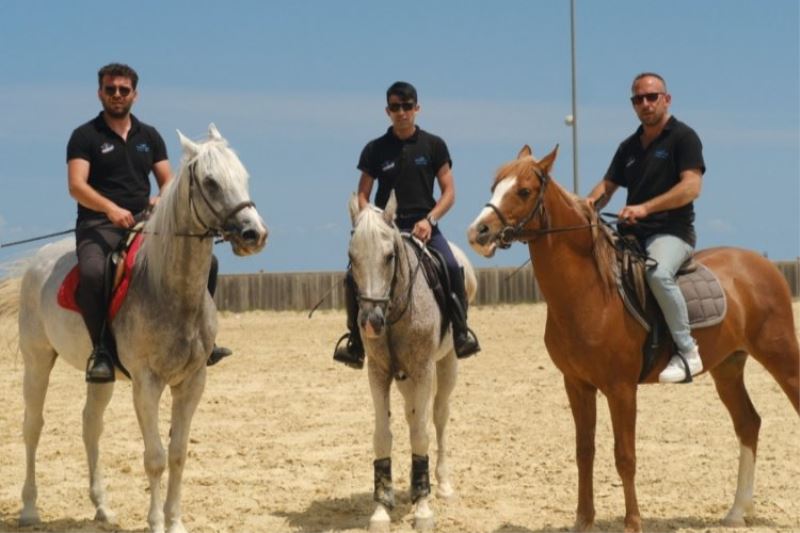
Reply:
x=676, y=371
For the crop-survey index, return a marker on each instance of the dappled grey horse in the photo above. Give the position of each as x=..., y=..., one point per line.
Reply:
x=400, y=324
x=164, y=330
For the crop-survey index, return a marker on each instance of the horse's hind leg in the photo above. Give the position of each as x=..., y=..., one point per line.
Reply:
x=729, y=380
x=185, y=398
x=446, y=372
x=97, y=397
x=38, y=364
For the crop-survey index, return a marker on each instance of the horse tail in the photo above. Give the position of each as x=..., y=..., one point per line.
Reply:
x=10, y=285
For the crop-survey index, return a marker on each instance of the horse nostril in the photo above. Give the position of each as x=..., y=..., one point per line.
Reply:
x=250, y=235
x=483, y=229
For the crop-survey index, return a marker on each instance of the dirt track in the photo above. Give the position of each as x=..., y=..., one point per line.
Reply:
x=282, y=442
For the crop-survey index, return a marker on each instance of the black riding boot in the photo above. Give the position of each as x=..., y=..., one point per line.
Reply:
x=352, y=352
x=464, y=339
x=99, y=367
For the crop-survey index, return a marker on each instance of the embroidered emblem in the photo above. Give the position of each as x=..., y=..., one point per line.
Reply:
x=142, y=147
x=421, y=160
x=661, y=153
x=630, y=161
x=106, y=147
x=387, y=165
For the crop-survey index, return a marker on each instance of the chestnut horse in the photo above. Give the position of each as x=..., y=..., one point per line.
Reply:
x=597, y=344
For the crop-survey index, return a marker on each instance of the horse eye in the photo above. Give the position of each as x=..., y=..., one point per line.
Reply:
x=389, y=258
x=524, y=193
x=211, y=185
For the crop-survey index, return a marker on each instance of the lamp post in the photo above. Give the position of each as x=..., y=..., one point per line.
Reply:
x=572, y=120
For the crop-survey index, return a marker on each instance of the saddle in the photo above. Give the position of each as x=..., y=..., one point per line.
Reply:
x=434, y=269
x=701, y=289
x=118, y=273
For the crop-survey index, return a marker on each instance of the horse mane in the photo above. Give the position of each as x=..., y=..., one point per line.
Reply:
x=213, y=157
x=602, y=250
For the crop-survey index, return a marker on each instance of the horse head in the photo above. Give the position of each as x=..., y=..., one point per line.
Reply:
x=517, y=204
x=374, y=248
x=218, y=193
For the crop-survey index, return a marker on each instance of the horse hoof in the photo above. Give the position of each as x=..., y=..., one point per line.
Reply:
x=105, y=516
x=734, y=520
x=378, y=526
x=423, y=524
x=445, y=492
x=29, y=519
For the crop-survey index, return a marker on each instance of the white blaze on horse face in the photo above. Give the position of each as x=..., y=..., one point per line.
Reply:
x=487, y=249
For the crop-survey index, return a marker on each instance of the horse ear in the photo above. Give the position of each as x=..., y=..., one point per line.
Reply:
x=547, y=162
x=187, y=144
x=213, y=132
x=390, y=209
x=352, y=206
x=525, y=152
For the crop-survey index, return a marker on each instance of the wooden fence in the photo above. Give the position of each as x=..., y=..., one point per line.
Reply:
x=300, y=291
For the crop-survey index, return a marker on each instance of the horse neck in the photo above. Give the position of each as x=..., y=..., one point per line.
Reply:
x=564, y=262
x=180, y=263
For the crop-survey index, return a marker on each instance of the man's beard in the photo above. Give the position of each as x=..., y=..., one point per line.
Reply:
x=113, y=113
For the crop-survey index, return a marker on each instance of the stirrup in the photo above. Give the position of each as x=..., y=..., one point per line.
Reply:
x=469, y=347
x=218, y=353
x=345, y=354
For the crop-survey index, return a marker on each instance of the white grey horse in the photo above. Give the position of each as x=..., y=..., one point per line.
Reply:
x=401, y=327
x=164, y=330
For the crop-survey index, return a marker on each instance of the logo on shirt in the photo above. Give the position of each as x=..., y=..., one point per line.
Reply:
x=661, y=153
x=630, y=161
x=387, y=165
x=142, y=147
x=421, y=161
x=106, y=147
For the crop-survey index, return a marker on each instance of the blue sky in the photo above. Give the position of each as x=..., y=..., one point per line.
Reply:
x=298, y=88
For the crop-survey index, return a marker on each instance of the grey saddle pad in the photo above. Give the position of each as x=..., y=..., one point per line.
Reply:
x=704, y=296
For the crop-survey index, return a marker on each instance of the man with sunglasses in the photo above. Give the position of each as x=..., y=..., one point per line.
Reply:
x=408, y=160
x=109, y=160
x=662, y=166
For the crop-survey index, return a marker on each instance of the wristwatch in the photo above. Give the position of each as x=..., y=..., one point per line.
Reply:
x=432, y=220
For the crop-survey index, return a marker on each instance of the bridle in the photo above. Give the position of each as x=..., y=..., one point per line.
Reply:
x=508, y=234
x=387, y=298
x=222, y=228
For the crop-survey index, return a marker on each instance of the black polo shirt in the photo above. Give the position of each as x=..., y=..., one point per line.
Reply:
x=408, y=166
x=118, y=170
x=649, y=172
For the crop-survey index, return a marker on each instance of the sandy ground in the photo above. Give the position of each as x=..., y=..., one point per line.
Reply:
x=282, y=442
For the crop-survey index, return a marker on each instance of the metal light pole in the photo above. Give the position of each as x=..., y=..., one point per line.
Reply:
x=572, y=120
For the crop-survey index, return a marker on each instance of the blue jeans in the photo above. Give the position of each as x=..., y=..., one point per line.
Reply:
x=670, y=252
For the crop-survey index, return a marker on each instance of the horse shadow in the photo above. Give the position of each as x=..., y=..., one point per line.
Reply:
x=65, y=525
x=651, y=525
x=336, y=514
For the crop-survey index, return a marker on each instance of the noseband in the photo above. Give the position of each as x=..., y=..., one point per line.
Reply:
x=507, y=235
x=222, y=228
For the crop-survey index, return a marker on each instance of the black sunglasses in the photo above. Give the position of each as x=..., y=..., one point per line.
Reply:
x=650, y=97
x=111, y=90
x=405, y=106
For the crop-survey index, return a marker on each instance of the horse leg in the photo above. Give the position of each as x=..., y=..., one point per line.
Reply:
x=417, y=399
x=622, y=405
x=446, y=372
x=147, y=390
x=777, y=350
x=729, y=380
x=583, y=402
x=97, y=397
x=379, y=385
x=185, y=398
x=38, y=364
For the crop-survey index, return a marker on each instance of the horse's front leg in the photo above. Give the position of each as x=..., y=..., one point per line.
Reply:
x=185, y=398
x=622, y=405
x=416, y=394
x=147, y=389
x=583, y=402
x=379, y=384
x=446, y=372
x=97, y=397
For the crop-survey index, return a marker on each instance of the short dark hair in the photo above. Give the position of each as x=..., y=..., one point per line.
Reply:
x=402, y=89
x=649, y=75
x=118, y=69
